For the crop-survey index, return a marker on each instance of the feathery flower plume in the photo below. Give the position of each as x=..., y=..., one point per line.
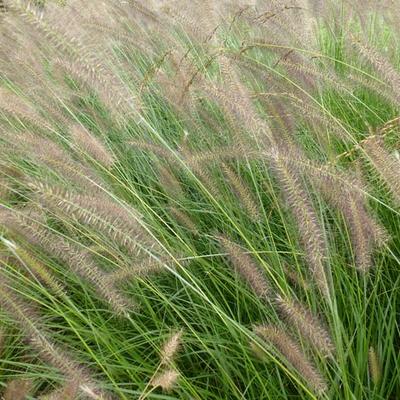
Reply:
x=139, y=269
x=361, y=233
x=283, y=122
x=166, y=380
x=246, y=268
x=295, y=278
x=2, y=340
x=385, y=163
x=200, y=30
x=381, y=64
x=75, y=257
x=170, y=348
x=169, y=182
x=92, y=392
x=294, y=355
x=4, y=189
x=240, y=112
x=52, y=155
x=100, y=212
x=183, y=156
x=196, y=160
x=11, y=104
x=242, y=191
x=365, y=231
x=356, y=81
x=183, y=219
x=69, y=391
x=9, y=175
x=311, y=233
x=375, y=369
x=307, y=324
x=40, y=271
x=111, y=91
x=55, y=356
x=88, y=143
x=204, y=174
x=258, y=351
x=347, y=193
x=323, y=75
x=17, y=389
x=143, y=268
x=29, y=322
x=82, y=63
x=176, y=90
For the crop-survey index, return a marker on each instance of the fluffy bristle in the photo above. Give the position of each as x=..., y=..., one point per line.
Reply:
x=291, y=351
x=17, y=389
x=311, y=232
x=374, y=364
x=246, y=268
x=385, y=163
x=171, y=348
x=91, y=145
x=308, y=325
x=165, y=380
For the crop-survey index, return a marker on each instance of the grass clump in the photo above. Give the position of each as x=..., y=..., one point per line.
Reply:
x=199, y=200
